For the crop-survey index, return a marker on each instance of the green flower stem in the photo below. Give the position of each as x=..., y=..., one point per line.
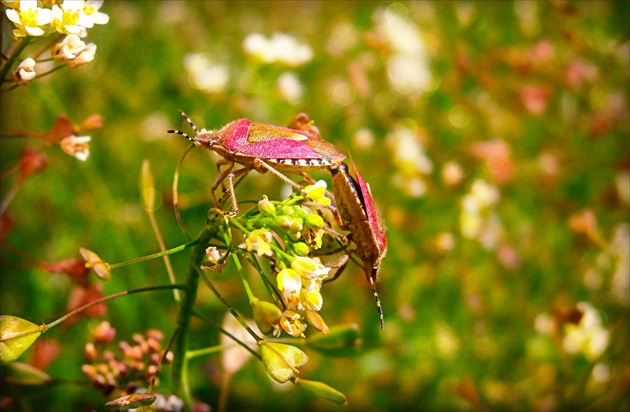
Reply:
x=158, y=254
x=181, y=386
x=232, y=311
x=228, y=334
x=16, y=53
x=44, y=328
x=248, y=290
x=269, y=284
x=207, y=351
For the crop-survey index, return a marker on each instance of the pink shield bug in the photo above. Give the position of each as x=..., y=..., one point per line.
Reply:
x=263, y=148
x=358, y=214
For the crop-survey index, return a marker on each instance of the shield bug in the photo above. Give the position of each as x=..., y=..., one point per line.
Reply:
x=263, y=148
x=359, y=215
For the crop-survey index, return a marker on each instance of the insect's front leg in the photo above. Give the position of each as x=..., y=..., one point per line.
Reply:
x=221, y=178
x=261, y=166
x=231, y=191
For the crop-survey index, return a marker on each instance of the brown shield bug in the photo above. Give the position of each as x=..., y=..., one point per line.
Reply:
x=359, y=215
x=263, y=148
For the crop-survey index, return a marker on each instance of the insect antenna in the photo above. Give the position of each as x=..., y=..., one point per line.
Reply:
x=182, y=133
x=190, y=122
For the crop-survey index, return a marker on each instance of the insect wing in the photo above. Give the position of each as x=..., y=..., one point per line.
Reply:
x=378, y=229
x=274, y=142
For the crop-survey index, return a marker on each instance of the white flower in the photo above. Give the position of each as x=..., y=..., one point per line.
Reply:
x=25, y=72
x=77, y=146
x=69, y=48
x=588, y=336
x=86, y=56
x=280, y=47
x=28, y=18
x=290, y=282
x=91, y=15
x=68, y=17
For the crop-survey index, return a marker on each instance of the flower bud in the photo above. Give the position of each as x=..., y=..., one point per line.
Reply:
x=287, y=211
x=298, y=224
x=300, y=249
x=267, y=316
x=266, y=207
x=283, y=222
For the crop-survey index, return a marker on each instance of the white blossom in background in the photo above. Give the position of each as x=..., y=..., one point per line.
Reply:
x=479, y=219
x=410, y=159
x=408, y=65
x=290, y=87
x=589, y=336
x=279, y=48
x=77, y=146
x=204, y=74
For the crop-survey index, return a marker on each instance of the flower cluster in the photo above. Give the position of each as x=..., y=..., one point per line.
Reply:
x=70, y=17
x=286, y=233
x=138, y=365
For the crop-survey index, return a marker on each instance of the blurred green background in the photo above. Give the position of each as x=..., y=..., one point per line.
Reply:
x=494, y=136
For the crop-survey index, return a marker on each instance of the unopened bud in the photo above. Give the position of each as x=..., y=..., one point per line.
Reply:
x=283, y=222
x=267, y=315
x=301, y=249
x=266, y=207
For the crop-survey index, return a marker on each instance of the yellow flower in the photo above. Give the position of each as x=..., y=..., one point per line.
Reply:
x=310, y=268
x=260, y=241
x=311, y=300
x=317, y=193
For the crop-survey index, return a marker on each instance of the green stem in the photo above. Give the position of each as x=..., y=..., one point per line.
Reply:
x=207, y=351
x=156, y=255
x=44, y=328
x=248, y=290
x=16, y=53
x=181, y=386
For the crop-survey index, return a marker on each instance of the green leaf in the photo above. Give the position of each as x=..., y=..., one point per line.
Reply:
x=133, y=401
x=323, y=391
x=282, y=361
x=22, y=374
x=16, y=336
x=341, y=341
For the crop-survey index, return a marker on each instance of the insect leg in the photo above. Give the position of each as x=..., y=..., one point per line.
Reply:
x=340, y=265
x=230, y=188
x=220, y=179
x=260, y=163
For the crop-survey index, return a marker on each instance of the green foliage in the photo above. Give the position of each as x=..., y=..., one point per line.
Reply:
x=494, y=137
